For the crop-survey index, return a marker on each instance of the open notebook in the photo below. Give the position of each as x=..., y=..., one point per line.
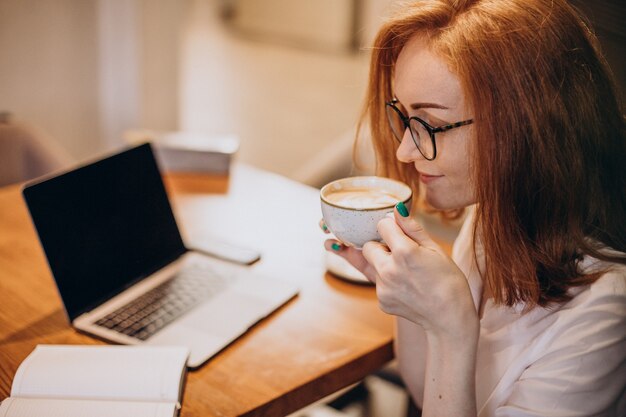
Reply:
x=98, y=381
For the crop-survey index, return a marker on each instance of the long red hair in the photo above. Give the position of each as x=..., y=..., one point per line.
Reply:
x=549, y=143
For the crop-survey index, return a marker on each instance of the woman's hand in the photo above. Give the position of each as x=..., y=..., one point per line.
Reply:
x=418, y=281
x=415, y=279
x=352, y=255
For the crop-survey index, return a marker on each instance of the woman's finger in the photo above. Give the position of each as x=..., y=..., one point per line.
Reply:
x=393, y=235
x=353, y=256
x=412, y=228
x=323, y=226
x=376, y=253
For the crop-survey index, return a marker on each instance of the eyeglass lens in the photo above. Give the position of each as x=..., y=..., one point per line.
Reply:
x=420, y=135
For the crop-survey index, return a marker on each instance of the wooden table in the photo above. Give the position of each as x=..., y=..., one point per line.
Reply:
x=330, y=336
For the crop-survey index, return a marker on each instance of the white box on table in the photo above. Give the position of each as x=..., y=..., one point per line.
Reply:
x=189, y=151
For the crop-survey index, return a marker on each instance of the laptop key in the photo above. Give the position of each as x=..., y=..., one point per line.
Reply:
x=165, y=303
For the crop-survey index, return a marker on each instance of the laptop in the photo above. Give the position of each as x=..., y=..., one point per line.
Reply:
x=123, y=271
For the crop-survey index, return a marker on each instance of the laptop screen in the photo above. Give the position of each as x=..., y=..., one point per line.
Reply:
x=104, y=226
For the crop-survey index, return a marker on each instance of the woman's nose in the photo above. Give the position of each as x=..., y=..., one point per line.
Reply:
x=407, y=151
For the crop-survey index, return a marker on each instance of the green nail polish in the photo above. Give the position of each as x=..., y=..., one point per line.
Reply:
x=336, y=247
x=402, y=209
x=324, y=227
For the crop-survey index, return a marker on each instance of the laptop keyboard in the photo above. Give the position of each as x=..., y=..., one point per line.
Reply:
x=155, y=309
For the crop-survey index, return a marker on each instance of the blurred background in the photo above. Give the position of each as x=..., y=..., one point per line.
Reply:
x=286, y=76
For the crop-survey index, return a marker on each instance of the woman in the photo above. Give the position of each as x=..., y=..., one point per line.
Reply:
x=506, y=107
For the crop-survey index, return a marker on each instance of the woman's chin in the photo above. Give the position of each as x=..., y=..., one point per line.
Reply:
x=440, y=202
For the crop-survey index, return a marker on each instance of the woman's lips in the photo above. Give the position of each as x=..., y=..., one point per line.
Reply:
x=425, y=178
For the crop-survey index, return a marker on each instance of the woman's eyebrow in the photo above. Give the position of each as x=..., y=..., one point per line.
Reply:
x=416, y=106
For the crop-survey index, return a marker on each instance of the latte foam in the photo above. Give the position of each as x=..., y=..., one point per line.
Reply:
x=362, y=198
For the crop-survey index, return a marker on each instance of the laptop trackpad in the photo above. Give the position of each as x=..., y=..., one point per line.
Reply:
x=201, y=345
x=210, y=327
x=230, y=312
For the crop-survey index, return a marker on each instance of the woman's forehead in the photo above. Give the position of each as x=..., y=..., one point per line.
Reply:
x=421, y=76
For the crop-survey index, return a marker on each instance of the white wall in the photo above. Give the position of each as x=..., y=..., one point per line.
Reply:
x=161, y=28
x=85, y=71
x=138, y=58
x=48, y=69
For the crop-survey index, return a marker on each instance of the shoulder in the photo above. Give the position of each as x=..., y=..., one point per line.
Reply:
x=609, y=288
x=612, y=282
x=603, y=299
x=591, y=325
x=578, y=353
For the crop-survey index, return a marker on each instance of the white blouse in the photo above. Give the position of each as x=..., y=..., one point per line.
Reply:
x=566, y=360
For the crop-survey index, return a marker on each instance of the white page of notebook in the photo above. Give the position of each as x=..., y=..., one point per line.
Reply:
x=36, y=407
x=136, y=373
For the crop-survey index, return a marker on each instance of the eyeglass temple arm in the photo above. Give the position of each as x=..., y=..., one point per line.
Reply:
x=452, y=126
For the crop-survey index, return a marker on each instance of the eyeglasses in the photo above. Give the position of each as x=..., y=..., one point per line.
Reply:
x=422, y=133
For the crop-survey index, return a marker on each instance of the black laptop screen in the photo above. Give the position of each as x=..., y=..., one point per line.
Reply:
x=104, y=226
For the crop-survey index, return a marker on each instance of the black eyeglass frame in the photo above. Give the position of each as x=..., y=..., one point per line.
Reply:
x=430, y=129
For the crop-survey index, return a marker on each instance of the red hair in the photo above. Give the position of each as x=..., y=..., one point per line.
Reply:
x=549, y=142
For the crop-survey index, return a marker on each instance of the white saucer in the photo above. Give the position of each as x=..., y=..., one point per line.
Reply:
x=339, y=267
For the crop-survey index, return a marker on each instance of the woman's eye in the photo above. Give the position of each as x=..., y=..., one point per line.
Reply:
x=428, y=119
x=433, y=121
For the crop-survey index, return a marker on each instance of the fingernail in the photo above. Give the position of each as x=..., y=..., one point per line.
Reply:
x=336, y=247
x=402, y=209
x=324, y=227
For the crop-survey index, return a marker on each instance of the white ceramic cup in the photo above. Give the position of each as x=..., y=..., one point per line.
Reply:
x=353, y=206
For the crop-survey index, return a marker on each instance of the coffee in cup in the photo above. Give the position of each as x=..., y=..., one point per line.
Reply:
x=352, y=207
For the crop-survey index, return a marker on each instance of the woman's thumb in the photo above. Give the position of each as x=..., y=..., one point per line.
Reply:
x=412, y=228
